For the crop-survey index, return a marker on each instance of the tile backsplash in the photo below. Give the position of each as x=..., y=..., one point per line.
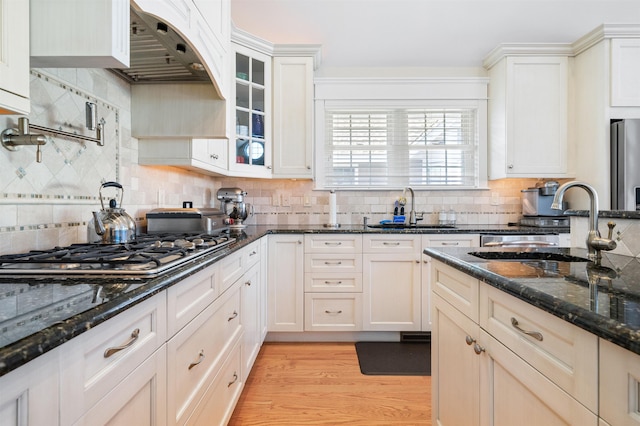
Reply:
x=51, y=203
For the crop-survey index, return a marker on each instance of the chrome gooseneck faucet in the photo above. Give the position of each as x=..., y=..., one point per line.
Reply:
x=413, y=218
x=595, y=243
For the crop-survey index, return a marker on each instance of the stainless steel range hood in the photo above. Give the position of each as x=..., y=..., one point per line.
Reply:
x=159, y=54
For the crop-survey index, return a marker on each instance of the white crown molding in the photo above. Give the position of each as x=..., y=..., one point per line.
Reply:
x=251, y=41
x=526, y=49
x=605, y=31
x=593, y=37
x=313, y=50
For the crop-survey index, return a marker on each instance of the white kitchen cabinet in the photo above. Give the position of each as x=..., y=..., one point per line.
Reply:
x=392, y=282
x=250, y=319
x=455, y=368
x=79, y=33
x=138, y=399
x=528, y=116
x=293, y=117
x=14, y=57
x=29, y=395
x=250, y=125
x=196, y=353
x=264, y=261
x=619, y=385
x=285, y=283
x=625, y=68
x=333, y=282
x=487, y=372
x=451, y=240
x=95, y=363
x=208, y=156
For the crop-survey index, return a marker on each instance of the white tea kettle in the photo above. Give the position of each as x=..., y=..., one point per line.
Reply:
x=112, y=225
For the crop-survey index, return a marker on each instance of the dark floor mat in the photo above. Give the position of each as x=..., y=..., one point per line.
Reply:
x=394, y=358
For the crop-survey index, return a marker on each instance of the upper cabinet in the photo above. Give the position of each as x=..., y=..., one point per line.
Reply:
x=14, y=57
x=79, y=33
x=625, y=72
x=293, y=117
x=528, y=114
x=250, y=147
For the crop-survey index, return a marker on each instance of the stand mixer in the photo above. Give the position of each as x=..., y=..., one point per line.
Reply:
x=233, y=205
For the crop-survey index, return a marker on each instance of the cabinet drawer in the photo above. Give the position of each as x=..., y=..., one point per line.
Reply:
x=456, y=287
x=251, y=255
x=333, y=282
x=231, y=268
x=95, y=362
x=216, y=407
x=338, y=263
x=452, y=240
x=333, y=311
x=195, y=354
x=333, y=243
x=564, y=353
x=619, y=385
x=381, y=243
x=188, y=298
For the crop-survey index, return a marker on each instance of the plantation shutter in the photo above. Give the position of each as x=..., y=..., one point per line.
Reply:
x=399, y=147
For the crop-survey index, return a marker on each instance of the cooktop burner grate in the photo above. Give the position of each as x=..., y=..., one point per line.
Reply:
x=148, y=254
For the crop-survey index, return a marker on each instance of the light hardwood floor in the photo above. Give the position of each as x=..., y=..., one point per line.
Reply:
x=321, y=384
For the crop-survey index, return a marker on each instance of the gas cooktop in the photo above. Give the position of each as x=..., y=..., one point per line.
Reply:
x=148, y=255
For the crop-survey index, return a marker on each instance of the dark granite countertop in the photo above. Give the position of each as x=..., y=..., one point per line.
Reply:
x=39, y=313
x=603, y=300
x=606, y=214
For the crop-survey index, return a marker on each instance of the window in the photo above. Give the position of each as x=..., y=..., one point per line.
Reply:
x=420, y=147
x=389, y=133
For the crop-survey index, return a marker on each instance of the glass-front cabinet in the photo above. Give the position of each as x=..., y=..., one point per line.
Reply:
x=251, y=143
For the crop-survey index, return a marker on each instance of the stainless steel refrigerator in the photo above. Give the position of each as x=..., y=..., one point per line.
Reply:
x=625, y=165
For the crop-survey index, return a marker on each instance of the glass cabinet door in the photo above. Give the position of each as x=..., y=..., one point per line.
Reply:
x=252, y=75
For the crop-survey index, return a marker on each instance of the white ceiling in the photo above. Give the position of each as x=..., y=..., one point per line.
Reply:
x=423, y=33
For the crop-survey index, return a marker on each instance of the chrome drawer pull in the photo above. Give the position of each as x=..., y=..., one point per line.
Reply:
x=387, y=243
x=200, y=359
x=233, y=315
x=332, y=243
x=536, y=335
x=451, y=244
x=333, y=263
x=253, y=253
x=134, y=336
x=235, y=379
x=333, y=312
x=333, y=282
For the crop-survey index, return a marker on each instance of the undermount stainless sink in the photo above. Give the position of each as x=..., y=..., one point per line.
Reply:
x=405, y=226
x=527, y=255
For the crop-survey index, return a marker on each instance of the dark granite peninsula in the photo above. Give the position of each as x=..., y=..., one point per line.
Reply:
x=604, y=300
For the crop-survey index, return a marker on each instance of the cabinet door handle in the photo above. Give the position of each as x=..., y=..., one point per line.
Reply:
x=536, y=335
x=478, y=349
x=451, y=244
x=470, y=340
x=253, y=253
x=248, y=283
x=333, y=282
x=200, y=359
x=214, y=156
x=332, y=243
x=235, y=379
x=332, y=312
x=391, y=243
x=134, y=336
x=233, y=315
x=333, y=263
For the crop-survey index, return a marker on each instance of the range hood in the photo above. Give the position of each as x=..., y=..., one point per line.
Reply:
x=159, y=54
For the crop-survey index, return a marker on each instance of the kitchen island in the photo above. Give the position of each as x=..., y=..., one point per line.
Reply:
x=534, y=336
